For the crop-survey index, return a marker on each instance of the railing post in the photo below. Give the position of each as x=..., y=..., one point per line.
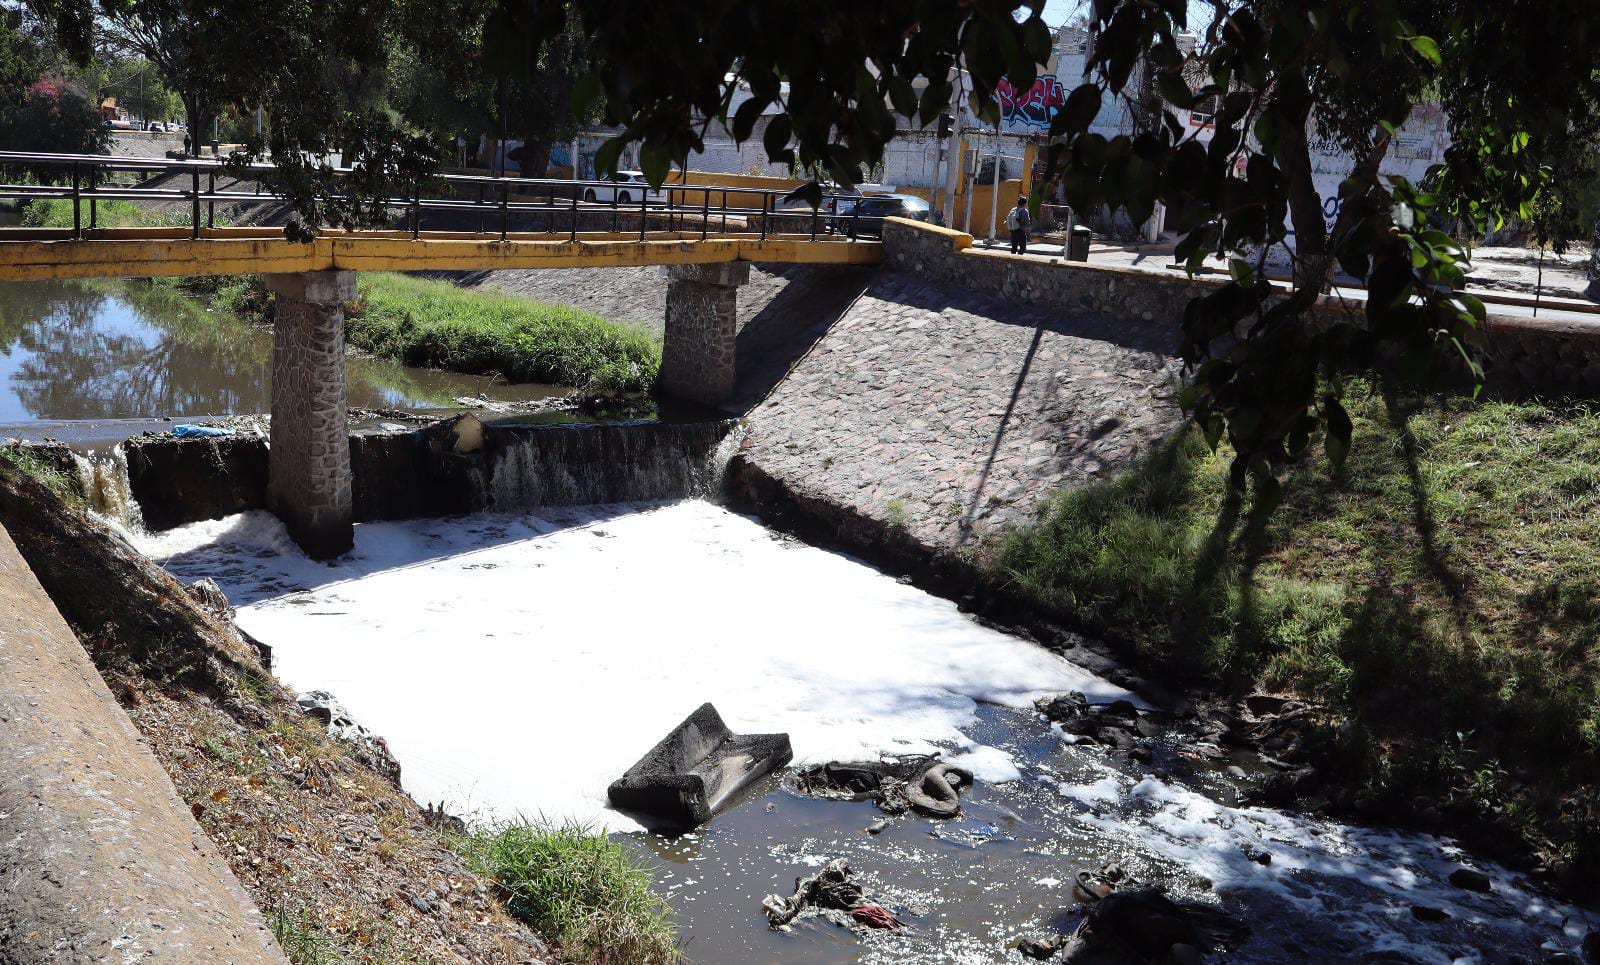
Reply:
x=764, y=199
x=725, y=211
x=416, y=207
x=644, y=205
x=211, y=203
x=94, y=186
x=705, y=213
x=614, y=195
x=505, y=210
x=194, y=197
x=573, y=228
x=77, y=195
x=483, y=201
x=816, y=216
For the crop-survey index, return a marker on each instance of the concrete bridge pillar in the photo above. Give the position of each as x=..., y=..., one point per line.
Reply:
x=308, y=464
x=697, y=349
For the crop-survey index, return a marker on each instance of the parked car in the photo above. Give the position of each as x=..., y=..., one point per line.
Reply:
x=830, y=191
x=866, y=216
x=630, y=186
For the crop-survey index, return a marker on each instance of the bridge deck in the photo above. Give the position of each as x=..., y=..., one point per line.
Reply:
x=36, y=254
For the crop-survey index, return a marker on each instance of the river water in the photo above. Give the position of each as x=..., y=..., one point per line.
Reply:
x=519, y=662
x=108, y=351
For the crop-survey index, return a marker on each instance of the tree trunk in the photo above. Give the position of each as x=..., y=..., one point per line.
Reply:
x=535, y=158
x=1594, y=256
x=1312, y=260
x=196, y=118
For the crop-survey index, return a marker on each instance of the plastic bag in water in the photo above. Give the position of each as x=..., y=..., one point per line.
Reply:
x=187, y=431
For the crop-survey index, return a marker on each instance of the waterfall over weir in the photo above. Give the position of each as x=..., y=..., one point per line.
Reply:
x=106, y=490
x=526, y=467
x=448, y=468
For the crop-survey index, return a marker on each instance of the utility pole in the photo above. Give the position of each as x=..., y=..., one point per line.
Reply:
x=994, y=191
x=956, y=167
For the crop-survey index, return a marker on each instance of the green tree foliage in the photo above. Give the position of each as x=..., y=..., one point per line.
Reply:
x=532, y=101
x=136, y=83
x=39, y=111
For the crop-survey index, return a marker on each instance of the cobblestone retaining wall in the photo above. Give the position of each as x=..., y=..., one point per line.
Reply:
x=1525, y=355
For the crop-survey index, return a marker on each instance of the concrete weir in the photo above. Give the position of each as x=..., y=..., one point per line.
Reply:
x=451, y=467
x=99, y=859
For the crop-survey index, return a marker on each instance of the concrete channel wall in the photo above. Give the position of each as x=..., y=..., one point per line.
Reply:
x=99, y=859
x=1526, y=355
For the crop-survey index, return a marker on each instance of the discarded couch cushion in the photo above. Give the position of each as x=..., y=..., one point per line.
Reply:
x=696, y=770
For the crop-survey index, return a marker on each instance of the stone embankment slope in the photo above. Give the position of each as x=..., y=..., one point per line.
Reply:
x=949, y=414
x=99, y=859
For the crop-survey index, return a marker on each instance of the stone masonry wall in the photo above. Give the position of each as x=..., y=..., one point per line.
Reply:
x=308, y=481
x=1525, y=355
x=698, y=346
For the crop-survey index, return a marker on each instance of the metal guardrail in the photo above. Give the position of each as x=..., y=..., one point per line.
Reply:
x=87, y=179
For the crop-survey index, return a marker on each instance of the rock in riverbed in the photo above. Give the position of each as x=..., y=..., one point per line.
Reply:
x=1471, y=879
x=1145, y=926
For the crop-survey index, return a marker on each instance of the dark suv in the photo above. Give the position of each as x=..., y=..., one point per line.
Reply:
x=867, y=216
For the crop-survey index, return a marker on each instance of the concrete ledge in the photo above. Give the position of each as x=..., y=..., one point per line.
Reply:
x=99, y=859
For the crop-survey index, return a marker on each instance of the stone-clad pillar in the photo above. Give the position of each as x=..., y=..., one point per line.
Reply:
x=697, y=349
x=308, y=465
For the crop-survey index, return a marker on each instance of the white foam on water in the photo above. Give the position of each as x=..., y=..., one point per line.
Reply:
x=1107, y=790
x=988, y=764
x=519, y=664
x=1314, y=862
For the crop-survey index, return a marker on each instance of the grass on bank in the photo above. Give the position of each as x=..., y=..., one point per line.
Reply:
x=418, y=321
x=1442, y=590
x=587, y=893
x=30, y=462
x=112, y=213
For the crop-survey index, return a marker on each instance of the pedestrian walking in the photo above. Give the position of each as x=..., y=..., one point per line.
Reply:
x=1018, y=221
x=186, y=145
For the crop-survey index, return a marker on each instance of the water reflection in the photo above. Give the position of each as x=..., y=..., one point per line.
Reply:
x=94, y=350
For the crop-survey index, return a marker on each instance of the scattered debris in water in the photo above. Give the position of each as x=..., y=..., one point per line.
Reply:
x=918, y=782
x=830, y=890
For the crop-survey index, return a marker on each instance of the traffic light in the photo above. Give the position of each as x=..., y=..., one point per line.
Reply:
x=946, y=124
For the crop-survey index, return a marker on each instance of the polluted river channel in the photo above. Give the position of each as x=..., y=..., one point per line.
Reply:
x=520, y=660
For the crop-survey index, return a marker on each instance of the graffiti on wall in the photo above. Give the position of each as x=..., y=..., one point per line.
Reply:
x=1034, y=107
